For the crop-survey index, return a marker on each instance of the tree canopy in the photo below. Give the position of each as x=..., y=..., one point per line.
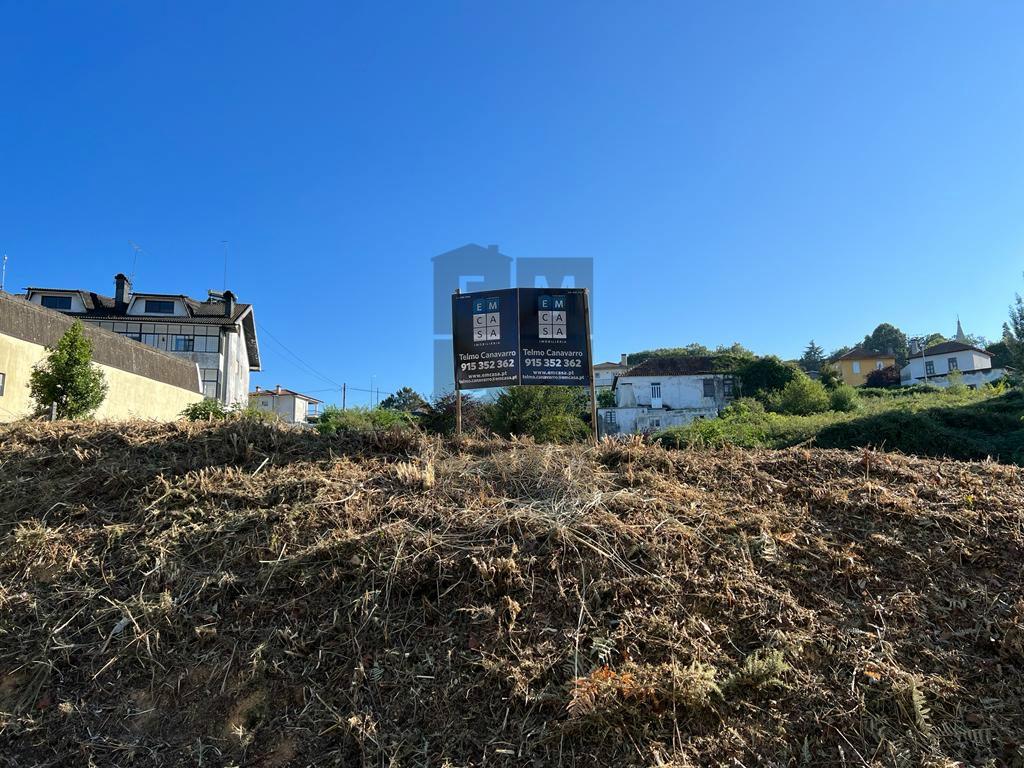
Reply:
x=67, y=377
x=888, y=339
x=547, y=414
x=812, y=357
x=406, y=399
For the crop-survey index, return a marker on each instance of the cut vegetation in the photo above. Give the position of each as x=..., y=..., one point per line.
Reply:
x=240, y=594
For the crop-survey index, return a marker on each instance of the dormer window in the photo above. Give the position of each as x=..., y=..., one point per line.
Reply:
x=56, y=302
x=159, y=307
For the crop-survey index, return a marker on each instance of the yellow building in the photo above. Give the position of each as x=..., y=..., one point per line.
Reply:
x=142, y=382
x=856, y=364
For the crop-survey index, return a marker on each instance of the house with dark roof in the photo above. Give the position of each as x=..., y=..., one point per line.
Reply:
x=291, y=406
x=605, y=373
x=666, y=392
x=932, y=365
x=218, y=334
x=856, y=364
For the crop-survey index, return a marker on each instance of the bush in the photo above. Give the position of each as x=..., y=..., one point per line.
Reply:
x=956, y=382
x=439, y=416
x=205, y=410
x=883, y=377
x=547, y=414
x=843, y=398
x=336, y=420
x=802, y=396
x=765, y=375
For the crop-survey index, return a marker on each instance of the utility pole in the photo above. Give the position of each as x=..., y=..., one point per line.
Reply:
x=344, y=388
x=3, y=273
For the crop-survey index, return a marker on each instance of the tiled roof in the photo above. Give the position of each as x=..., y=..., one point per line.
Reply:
x=683, y=365
x=948, y=347
x=859, y=353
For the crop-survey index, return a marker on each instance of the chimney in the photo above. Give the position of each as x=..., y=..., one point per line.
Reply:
x=624, y=360
x=229, y=304
x=122, y=290
x=277, y=390
x=257, y=388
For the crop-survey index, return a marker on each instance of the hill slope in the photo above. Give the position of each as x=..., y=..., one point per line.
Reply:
x=245, y=595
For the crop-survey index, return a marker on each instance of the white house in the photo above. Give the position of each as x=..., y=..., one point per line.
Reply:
x=934, y=364
x=605, y=373
x=292, y=407
x=666, y=392
x=218, y=335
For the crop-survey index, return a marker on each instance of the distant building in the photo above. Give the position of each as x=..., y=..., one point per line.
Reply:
x=292, y=407
x=666, y=392
x=218, y=335
x=142, y=383
x=605, y=373
x=856, y=364
x=934, y=364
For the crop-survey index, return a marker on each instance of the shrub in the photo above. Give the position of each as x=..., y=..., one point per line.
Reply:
x=439, y=416
x=547, y=414
x=801, y=396
x=883, y=377
x=843, y=398
x=956, y=382
x=336, y=420
x=205, y=410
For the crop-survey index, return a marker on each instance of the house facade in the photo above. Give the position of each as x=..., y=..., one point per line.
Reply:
x=856, y=364
x=666, y=392
x=142, y=383
x=934, y=364
x=218, y=334
x=605, y=373
x=290, y=406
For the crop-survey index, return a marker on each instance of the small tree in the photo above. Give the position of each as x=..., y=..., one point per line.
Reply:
x=812, y=358
x=1013, y=334
x=883, y=377
x=888, y=339
x=439, y=417
x=406, y=399
x=766, y=374
x=67, y=377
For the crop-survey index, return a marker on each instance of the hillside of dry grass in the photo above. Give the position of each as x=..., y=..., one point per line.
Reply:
x=241, y=594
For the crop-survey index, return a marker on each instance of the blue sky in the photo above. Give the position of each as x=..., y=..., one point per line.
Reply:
x=752, y=172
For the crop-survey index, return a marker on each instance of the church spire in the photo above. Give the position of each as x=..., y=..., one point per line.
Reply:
x=960, y=335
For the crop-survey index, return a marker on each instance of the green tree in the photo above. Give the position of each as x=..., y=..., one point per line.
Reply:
x=829, y=376
x=888, y=339
x=812, y=358
x=439, y=416
x=547, y=414
x=605, y=399
x=1000, y=354
x=766, y=374
x=1013, y=334
x=883, y=377
x=67, y=377
x=725, y=358
x=406, y=399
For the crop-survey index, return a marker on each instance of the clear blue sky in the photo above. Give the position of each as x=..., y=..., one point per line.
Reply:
x=762, y=173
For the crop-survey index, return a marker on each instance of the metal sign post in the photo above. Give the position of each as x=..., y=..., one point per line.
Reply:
x=590, y=358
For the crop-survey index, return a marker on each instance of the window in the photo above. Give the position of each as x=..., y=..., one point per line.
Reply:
x=610, y=418
x=929, y=368
x=211, y=382
x=160, y=306
x=56, y=302
x=953, y=364
x=879, y=365
x=727, y=387
x=183, y=343
x=656, y=423
x=3, y=382
x=655, y=391
x=856, y=366
x=709, y=387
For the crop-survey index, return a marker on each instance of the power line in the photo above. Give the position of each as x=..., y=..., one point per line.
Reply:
x=299, y=360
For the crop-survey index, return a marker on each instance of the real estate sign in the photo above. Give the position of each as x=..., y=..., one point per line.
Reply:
x=521, y=336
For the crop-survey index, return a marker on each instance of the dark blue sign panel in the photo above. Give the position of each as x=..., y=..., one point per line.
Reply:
x=485, y=334
x=553, y=339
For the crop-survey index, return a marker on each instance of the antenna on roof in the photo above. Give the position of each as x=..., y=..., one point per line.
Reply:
x=135, y=259
x=225, y=244
x=3, y=273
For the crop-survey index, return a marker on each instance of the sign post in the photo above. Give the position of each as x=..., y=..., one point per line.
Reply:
x=524, y=336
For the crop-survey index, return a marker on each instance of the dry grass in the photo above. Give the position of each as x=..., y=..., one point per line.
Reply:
x=241, y=594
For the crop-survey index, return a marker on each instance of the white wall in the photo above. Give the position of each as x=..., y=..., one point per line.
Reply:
x=967, y=360
x=676, y=391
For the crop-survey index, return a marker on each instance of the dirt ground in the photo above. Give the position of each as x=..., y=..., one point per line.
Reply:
x=246, y=595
